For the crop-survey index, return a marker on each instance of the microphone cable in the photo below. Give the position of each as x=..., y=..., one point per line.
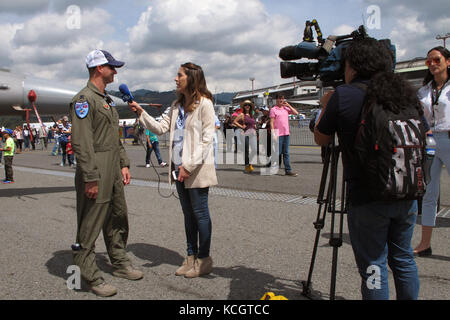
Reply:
x=156, y=171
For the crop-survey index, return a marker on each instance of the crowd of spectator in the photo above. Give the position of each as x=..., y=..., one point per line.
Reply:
x=30, y=138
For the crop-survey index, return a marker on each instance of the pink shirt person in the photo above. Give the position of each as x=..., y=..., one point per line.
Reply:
x=280, y=117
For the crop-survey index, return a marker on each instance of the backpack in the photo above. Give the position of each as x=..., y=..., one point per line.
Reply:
x=390, y=148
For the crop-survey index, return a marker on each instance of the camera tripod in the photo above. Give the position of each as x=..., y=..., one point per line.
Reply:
x=327, y=203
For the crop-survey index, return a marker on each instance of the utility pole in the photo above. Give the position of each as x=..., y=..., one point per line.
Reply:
x=439, y=37
x=252, y=79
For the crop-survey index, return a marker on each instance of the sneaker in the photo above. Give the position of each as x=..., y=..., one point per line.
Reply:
x=62, y=164
x=128, y=273
x=291, y=174
x=7, y=181
x=147, y=165
x=163, y=164
x=104, y=290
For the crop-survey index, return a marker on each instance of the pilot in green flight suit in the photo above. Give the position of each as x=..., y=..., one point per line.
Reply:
x=101, y=173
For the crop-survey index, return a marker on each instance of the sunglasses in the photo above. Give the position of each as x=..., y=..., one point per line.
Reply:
x=429, y=62
x=109, y=66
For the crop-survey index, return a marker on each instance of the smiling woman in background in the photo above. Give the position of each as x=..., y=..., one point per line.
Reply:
x=191, y=125
x=435, y=99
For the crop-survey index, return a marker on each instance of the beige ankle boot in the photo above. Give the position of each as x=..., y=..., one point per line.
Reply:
x=188, y=264
x=201, y=267
x=104, y=290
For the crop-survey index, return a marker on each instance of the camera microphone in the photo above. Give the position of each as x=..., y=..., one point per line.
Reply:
x=126, y=94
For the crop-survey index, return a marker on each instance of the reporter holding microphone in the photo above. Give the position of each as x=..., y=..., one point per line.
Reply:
x=191, y=127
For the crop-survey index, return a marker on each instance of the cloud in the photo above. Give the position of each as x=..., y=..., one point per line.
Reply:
x=24, y=7
x=232, y=26
x=7, y=33
x=343, y=30
x=62, y=5
x=231, y=40
x=413, y=25
x=46, y=47
x=56, y=30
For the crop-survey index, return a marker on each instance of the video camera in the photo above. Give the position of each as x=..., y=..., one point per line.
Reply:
x=329, y=53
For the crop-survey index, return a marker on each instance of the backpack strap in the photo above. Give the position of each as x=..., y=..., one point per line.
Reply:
x=365, y=109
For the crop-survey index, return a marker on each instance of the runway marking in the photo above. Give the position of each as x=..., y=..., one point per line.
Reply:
x=225, y=192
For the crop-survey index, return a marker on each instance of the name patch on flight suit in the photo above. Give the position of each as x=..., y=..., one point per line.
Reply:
x=82, y=109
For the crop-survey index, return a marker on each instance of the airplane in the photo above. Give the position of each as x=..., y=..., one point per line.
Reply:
x=52, y=98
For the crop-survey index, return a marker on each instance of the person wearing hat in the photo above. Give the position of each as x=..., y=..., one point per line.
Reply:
x=246, y=121
x=102, y=171
x=8, y=155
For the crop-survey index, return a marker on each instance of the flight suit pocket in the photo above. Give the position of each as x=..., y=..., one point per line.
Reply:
x=106, y=182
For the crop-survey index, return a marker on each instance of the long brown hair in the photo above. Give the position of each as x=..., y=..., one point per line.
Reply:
x=196, y=85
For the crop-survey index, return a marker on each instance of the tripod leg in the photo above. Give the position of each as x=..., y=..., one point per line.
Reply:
x=320, y=220
x=336, y=242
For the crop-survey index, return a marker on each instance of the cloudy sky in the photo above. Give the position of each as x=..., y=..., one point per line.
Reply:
x=232, y=40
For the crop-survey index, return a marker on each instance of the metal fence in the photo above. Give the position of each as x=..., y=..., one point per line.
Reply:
x=300, y=134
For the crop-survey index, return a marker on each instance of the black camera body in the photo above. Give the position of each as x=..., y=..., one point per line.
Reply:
x=329, y=53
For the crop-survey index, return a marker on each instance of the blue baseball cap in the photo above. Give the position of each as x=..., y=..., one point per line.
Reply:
x=101, y=57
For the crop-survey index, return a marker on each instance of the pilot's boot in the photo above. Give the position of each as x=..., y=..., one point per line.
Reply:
x=104, y=290
x=128, y=273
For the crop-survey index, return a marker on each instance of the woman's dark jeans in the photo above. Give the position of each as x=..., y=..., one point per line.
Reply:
x=197, y=221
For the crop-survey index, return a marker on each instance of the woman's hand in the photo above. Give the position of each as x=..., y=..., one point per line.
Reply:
x=135, y=107
x=183, y=174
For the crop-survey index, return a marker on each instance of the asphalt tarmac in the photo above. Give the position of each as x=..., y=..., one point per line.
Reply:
x=262, y=241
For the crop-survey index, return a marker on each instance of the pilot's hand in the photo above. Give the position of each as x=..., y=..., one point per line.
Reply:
x=126, y=176
x=91, y=189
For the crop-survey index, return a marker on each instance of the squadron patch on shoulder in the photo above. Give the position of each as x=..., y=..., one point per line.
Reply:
x=82, y=109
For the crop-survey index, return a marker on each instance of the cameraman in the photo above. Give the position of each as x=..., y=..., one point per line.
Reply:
x=380, y=231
